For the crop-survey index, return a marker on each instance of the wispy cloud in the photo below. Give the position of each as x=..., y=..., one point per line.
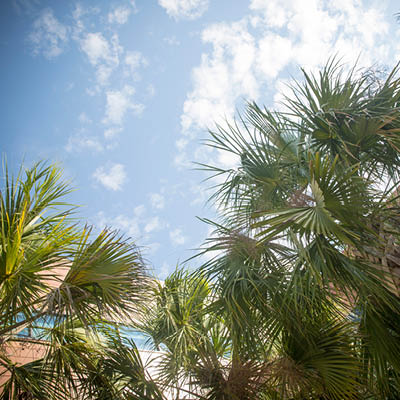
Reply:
x=119, y=102
x=172, y=40
x=154, y=224
x=82, y=16
x=140, y=210
x=249, y=57
x=81, y=141
x=49, y=35
x=134, y=60
x=96, y=48
x=119, y=15
x=151, y=248
x=103, y=54
x=113, y=132
x=177, y=238
x=111, y=178
x=137, y=225
x=184, y=9
x=222, y=77
x=157, y=201
x=112, y=65
x=127, y=224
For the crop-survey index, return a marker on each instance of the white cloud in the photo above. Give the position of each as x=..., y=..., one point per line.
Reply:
x=49, y=36
x=135, y=225
x=103, y=73
x=176, y=237
x=133, y=61
x=103, y=54
x=154, y=224
x=108, y=58
x=181, y=143
x=82, y=16
x=318, y=29
x=127, y=224
x=78, y=26
x=100, y=50
x=172, y=40
x=113, y=178
x=96, y=47
x=157, y=201
x=184, y=9
x=119, y=103
x=274, y=53
x=249, y=57
x=140, y=210
x=81, y=141
x=111, y=133
x=200, y=193
x=151, y=248
x=181, y=160
x=222, y=77
x=119, y=15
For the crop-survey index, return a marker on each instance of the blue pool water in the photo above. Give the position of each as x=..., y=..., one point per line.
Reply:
x=39, y=331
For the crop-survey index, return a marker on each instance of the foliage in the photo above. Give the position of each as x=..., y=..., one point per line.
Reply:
x=300, y=296
x=73, y=282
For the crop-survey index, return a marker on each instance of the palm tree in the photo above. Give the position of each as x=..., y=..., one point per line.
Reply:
x=193, y=341
x=302, y=299
x=62, y=281
x=216, y=345
x=309, y=234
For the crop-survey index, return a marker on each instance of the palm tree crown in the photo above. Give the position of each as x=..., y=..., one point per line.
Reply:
x=68, y=285
x=302, y=299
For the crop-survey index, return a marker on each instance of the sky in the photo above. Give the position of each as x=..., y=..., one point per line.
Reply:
x=122, y=93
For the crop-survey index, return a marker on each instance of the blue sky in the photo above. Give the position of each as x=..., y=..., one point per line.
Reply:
x=121, y=93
